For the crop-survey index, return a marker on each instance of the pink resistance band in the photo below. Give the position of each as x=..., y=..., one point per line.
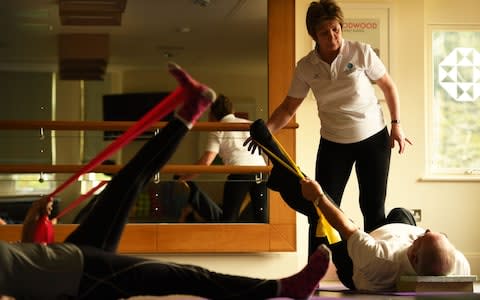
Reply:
x=166, y=106
x=80, y=199
x=44, y=232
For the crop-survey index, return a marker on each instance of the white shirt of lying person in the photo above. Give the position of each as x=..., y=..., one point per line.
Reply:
x=380, y=258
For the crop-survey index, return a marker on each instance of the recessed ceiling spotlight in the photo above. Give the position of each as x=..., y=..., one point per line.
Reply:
x=169, y=51
x=184, y=29
x=203, y=3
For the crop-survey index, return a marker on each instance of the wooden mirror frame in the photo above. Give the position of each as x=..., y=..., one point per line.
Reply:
x=280, y=233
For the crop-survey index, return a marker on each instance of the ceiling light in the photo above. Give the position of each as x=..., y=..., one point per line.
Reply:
x=184, y=29
x=203, y=3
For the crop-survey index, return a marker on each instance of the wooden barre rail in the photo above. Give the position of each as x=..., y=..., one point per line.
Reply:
x=123, y=125
x=169, y=169
x=116, y=125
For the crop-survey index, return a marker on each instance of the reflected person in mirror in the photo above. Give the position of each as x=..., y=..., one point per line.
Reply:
x=229, y=146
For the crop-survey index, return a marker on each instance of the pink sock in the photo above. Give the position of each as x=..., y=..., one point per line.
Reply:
x=183, y=78
x=303, y=284
x=199, y=96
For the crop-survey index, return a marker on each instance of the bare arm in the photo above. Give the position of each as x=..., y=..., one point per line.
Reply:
x=206, y=159
x=283, y=113
x=390, y=92
x=313, y=192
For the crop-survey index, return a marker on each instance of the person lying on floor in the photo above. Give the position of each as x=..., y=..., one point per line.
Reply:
x=366, y=261
x=85, y=265
x=375, y=261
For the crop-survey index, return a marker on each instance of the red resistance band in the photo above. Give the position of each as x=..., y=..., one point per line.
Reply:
x=44, y=232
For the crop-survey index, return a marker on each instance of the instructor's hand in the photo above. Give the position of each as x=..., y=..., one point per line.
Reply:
x=252, y=146
x=397, y=135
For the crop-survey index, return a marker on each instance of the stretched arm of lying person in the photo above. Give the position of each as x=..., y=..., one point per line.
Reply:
x=312, y=191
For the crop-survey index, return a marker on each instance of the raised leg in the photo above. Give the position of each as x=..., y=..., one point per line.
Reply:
x=103, y=227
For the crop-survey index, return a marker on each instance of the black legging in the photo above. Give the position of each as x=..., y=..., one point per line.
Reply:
x=103, y=226
x=288, y=185
x=342, y=260
x=372, y=161
x=236, y=188
x=107, y=275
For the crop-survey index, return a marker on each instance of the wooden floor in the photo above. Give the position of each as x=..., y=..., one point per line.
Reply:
x=334, y=290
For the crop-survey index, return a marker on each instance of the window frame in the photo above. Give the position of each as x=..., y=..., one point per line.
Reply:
x=432, y=173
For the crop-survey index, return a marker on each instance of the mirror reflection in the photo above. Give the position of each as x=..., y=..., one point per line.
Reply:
x=222, y=43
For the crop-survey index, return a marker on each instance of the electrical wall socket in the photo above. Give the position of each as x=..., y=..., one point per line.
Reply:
x=417, y=214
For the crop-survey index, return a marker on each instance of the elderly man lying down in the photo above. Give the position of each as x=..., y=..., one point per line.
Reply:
x=365, y=261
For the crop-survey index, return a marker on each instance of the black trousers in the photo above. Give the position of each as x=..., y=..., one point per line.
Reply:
x=107, y=275
x=342, y=260
x=236, y=188
x=371, y=158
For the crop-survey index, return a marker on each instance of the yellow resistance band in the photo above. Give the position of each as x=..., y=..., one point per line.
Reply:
x=323, y=227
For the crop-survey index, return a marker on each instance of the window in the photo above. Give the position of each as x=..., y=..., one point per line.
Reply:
x=91, y=180
x=26, y=184
x=453, y=109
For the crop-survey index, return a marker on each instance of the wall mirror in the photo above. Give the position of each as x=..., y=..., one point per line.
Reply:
x=135, y=70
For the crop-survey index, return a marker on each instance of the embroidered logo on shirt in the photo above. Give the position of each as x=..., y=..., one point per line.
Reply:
x=349, y=68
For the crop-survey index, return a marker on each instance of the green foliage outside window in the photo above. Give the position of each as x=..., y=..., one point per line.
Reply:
x=456, y=102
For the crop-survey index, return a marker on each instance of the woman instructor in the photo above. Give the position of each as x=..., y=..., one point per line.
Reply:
x=353, y=131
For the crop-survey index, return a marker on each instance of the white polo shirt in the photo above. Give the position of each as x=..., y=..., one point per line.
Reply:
x=380, y=258
x=229, y=145
x=348, y=109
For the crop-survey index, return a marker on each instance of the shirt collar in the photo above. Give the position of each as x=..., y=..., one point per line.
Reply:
x=406, y=265
x=228, y=117
x=315, y=58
